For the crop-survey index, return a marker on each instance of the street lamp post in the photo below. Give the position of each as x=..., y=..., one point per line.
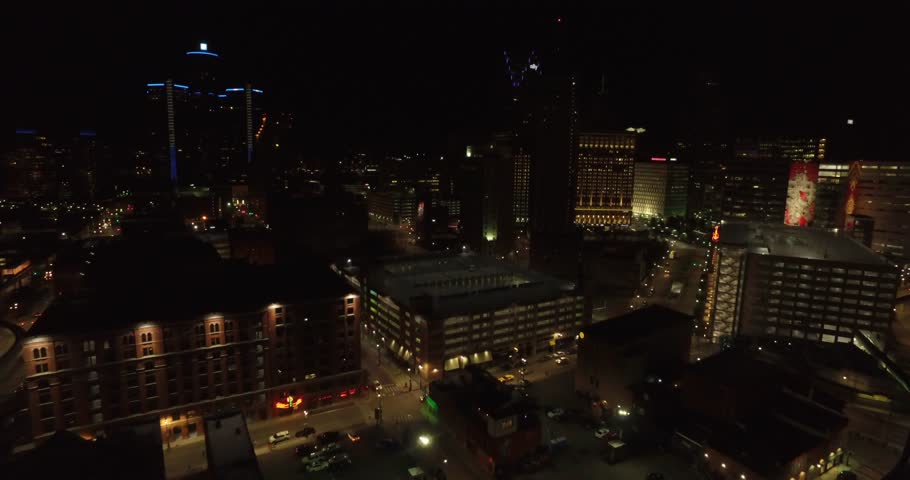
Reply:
x=378, y=356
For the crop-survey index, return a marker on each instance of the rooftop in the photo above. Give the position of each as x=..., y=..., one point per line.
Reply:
x=459, y=284
x=797, y=242
x=228, y=448
x=796, y=415
x=170, y=287
x=638, y=324
x=478, y=391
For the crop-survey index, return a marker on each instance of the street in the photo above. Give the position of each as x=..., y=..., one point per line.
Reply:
x=404, y=419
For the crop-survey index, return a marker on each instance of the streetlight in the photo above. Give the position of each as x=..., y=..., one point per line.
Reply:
x=424, y=440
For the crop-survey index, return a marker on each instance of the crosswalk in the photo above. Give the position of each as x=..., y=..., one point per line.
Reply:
x=391, y=389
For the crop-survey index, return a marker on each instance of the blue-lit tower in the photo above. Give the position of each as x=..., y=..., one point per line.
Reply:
x=200, y=128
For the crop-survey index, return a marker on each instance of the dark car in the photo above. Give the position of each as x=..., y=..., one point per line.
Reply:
x=339, y=462
x=326, y=438
x=305, y=449
x=387, y=444
x=306, y=432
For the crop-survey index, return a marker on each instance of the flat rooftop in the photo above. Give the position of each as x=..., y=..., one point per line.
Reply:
x=128, y=284
x=228, y=449
x=460, y=284
x=797, y=242
x=638, y=324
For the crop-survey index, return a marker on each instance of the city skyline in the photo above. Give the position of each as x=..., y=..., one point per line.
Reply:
x=378, y=75
x=631, y=241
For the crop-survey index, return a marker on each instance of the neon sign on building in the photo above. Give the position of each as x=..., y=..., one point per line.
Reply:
x=291, y=403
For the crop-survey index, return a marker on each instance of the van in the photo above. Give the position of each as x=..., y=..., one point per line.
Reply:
x=280, y=437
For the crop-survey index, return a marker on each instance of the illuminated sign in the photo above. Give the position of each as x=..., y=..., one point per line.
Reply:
x=204, y=47
x=715, y=237
x=291, y=403
x=658, y=159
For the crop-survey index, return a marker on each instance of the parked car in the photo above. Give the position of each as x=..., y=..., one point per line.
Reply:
x=601, y=432
x=340, y=459
x=317, y=465
x=561, y=353
x=305, y=450
x=329, y=450
x=279, y=437
x=387, y=444
x=558, y=443
x=555, y=412
x=846, y=475
x=326, y=438
x=306, y=432
x=562, y=361
x=507, y=378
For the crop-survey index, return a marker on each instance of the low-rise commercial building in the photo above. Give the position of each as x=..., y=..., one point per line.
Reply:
x=618, y=353
x=440, y=313
x=496, y=423
x=749, y=415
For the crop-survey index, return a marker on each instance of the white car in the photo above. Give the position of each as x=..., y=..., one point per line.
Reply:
x=601, y=432
x=317, y=465
x=280, y=437
x=556, y=413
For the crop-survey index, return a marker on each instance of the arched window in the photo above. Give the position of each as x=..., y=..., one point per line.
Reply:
x=142, y=337
x=217, y=327
x=211, y=328
x=149, y=337
x=43, y=352
x=36, y=353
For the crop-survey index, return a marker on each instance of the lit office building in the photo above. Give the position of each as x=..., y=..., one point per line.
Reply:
x=486, y=177
x=830, y=195
x=882, y=193
x=394, y=206
x=796, y=283
x=604, y=178
x=239, y=337
x=661, y=188
x=521, y=187
x=757, y=183
x=441, y=313
x=29, y=170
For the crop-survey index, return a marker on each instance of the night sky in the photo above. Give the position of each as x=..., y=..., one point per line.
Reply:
x=403, y=78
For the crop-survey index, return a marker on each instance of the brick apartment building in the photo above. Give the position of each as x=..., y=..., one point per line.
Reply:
x=182, y=338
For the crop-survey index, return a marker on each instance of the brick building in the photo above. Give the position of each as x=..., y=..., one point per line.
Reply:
x=190, y=338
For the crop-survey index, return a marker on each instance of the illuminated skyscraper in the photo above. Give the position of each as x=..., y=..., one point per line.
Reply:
x=201, y=131
x=604, y=178
x=521, y=181
x=660, y=188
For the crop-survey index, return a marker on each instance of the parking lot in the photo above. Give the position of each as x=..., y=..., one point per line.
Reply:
x=583, y=455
